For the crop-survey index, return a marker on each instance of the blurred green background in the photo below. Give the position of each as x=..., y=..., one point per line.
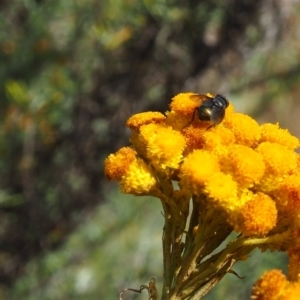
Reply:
x=71, y=73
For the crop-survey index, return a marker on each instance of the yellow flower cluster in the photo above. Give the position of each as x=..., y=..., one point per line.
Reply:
x=240, y=175
x=249, y=173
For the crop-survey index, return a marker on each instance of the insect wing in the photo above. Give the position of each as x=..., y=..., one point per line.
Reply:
x=198, y=98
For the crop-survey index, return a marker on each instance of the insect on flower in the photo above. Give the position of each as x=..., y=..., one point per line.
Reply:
x=212, y=109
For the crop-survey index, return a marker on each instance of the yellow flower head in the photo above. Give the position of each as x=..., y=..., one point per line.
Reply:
x=197, y=168
x=139, y=179
x=258, y=216
x=245, y=129
x=278, y=159
x=272, y=133
x=222, y=190
x=116, y=165
x=279, y=162
x=244, y=164
x=161, y=145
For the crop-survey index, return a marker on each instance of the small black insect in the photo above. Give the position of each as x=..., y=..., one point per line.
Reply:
x=212, y=109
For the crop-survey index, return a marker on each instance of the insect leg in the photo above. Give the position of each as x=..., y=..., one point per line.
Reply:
x=193, y=118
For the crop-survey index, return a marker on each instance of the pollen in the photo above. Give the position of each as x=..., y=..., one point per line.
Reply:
x=137, y=120
x=116, y=165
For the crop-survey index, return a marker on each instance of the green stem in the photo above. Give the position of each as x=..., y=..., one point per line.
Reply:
x=166, y=243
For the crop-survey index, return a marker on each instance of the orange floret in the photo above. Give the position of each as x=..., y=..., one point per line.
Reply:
x=245, y=129
x=244, y=164
x=116, y=165
x=258, y=216
x=198, y=167
x=272, y=133
x=139, y=179
x=270, y=286
x=137, y=120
